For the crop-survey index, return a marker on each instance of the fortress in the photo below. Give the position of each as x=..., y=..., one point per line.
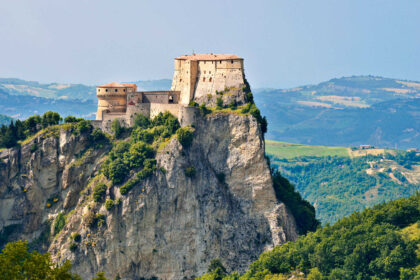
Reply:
x=195, y=76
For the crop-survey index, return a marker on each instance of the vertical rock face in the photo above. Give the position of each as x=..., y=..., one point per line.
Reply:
x=171, y=225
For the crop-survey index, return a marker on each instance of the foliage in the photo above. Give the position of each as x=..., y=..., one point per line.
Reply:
x=185, y=136
x=109, y=204
x=59, y=223
x=76, y=237
x=219, y=103
x=340, y=185
x=100, y=276
x=71, y=119
x=98, y=138
x=367, y=245
x=141, y=121
x=303, y=211
x=73, y=246
x=190, y=171
x=204, y=110
x=193, y=104
x=116, y=128
x=99, y=192
x=83, y=126
x=137, y=154
x=16, y=262
x=20, y=130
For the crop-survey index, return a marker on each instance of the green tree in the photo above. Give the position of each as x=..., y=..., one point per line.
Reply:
x=117, y=128
x=19, y=264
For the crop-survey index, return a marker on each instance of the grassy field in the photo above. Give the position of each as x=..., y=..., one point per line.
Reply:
x=289, y=150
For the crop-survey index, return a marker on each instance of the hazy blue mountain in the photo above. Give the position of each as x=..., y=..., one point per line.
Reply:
x=68, y=91
x=5, y=119
x=345, y=112
x=25, y=105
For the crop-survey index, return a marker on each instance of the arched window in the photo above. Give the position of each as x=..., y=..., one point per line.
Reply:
x=210, y=79
x=204, y=79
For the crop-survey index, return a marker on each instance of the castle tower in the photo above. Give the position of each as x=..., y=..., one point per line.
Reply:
x=112, y=98
x=198, y=75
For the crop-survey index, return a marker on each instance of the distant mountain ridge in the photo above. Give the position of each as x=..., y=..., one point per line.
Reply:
x=347, y=111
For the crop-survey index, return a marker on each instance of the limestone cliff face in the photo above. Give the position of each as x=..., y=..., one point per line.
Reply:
x=171, y=225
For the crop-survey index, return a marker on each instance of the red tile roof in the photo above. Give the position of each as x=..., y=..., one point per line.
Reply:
x=208, y=57
x=117, y=85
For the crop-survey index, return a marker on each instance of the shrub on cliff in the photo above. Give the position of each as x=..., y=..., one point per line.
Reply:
x=190, y=172
x=99, y=192
x=59, y=223
x=185, y=136
x=116, y=128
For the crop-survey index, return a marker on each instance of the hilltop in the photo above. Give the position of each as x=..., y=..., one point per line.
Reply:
x=347, y=111
x=340, y=180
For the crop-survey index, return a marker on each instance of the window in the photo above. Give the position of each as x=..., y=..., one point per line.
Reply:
x=231, y=61
x=210, y=79
x=116, y=90
x=106, y=90
x=204, y=71
x=204, y=79
x=99, y=89
x=209, y=72
x=124, y=90
x=220, y=62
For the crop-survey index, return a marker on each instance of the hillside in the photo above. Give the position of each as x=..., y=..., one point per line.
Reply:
x=379, y=243
x=340, y=180
x=345, y=112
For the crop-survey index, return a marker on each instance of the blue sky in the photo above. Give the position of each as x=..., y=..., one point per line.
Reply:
x=284, y=43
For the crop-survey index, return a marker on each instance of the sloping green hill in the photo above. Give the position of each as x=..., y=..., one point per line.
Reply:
x=345, y=112
x=339, y=180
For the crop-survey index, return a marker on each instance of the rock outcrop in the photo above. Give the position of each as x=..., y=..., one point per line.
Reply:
x=171, y=225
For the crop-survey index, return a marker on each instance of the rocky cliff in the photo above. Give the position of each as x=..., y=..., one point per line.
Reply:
x=168, y=226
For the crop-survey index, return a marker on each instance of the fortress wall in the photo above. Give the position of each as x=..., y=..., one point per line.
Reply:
x=132, y=110
x=188, y=115
x=155, y=109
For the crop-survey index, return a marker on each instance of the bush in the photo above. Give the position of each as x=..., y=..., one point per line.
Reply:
x=140, y=134
x=76, y=237
x=83, y=126
x=219, y=103
x=34, y=147
x=97, y=136
x=116, y=128
x=128, y=186
x=204, y=109
x=141, y=121
x=71, y=119
x=73, y=247
x=185, y=136
x=100, y=219
x=168, y=120
x=99, y=192
x=193, y=104
x=109, y=204
x=232, y=105
x=190, y=172
x=59, y=223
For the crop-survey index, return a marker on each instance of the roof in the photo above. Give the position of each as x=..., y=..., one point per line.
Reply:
x=116, y=85
x=208, y=57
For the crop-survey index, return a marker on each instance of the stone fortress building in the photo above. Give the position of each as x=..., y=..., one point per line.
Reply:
x=195, y=76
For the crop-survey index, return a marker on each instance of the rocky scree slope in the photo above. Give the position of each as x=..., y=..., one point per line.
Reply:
x=169, y=225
